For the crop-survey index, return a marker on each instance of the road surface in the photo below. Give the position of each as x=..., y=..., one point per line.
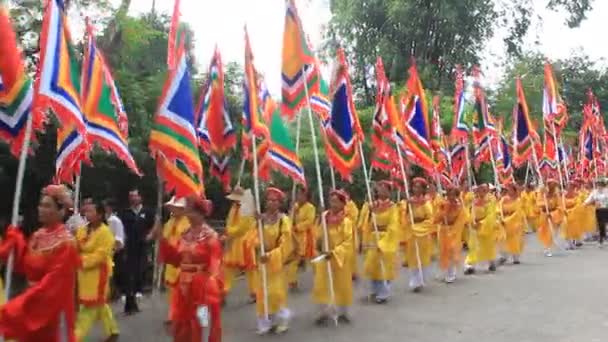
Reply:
x=558, y=299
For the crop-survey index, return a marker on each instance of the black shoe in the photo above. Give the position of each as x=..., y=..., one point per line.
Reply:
x=469, y=271
x=492, y=268
x=516, y=262
x=344, y=319
x=322, y=321
x=381, y=300
x=502, y=261
x=417, y=289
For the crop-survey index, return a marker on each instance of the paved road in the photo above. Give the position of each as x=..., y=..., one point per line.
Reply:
x=559, y=299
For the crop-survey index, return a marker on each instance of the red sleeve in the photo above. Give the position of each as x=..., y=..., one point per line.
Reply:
x=212, y=288
x=42, y=302
x=14, y=241
x=168, y=254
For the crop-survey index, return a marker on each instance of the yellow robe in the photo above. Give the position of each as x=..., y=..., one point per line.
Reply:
x=419, y=234
x=278, y=247
x=531, y=211
x=172, y=232
x=545, y=234
x=574, y=211
x=341, y=248
x=452, y=223
x=467, y=199
x=486, y=227
x=239, y=253
x=589, y=222
x=387, y=241
x=352, y=212
x=96, y=250
x=513, y=224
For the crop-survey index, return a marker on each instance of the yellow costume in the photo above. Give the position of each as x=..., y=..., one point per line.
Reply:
x=574, y=210
x=303, y=230
x=545, y=228
x=352, y=212
x=239, y=253
x=589, y=221
x=467, y=199
x=452, y=218
x=279, y=248
x=172, y=232
x=483, y=249
x=530, y=208
x=513, y=223
x=340, y=233
x=96, y=250
x=419, y=233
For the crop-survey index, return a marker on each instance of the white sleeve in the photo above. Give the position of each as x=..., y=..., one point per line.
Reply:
x=591, y=197
x=118, y=229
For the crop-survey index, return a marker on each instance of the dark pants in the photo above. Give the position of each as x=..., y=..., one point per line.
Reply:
x=601, y=214
x=133, y=275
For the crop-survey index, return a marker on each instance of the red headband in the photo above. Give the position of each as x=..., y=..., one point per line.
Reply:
x=275, y=193
x=341, y=194
x=60, y=194
x=387, y=183
x=200, y=204
x=420, y=181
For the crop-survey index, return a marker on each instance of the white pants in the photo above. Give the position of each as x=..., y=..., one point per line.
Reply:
x=280, y=318
x=417, y=278
x=450, y=274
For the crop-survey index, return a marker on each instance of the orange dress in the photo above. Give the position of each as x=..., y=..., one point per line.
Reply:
x=49, y=260
x=199, y=257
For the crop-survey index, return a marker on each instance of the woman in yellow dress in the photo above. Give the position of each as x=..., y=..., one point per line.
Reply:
x=529, y=197
x=303, y=215
x=451, y=217
x=483, y=252
x=352, y=212
x=339, y=254
x=589, y=224
x=417, y=233
x=278, y=248
x=550, y=217
x=574, y=210
x=172, y=232
x=381, y=245
x=96, y=246
x=239, y=255
x=512, y=219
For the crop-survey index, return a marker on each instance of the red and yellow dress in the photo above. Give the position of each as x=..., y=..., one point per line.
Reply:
x=172, y=232
x=239, y=254
x=452, y=217
x=198, y=255
x=96, y=250
x=46, y=310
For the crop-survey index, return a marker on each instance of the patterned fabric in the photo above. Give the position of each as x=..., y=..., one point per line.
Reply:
x=72, y=150
x=524, y=133
x=460, y=130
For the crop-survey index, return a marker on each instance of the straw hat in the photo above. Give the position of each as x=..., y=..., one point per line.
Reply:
x=237, y=194
x=176, y=202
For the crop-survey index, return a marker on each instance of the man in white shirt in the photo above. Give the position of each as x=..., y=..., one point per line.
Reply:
x=115, y=224
x=599, y=197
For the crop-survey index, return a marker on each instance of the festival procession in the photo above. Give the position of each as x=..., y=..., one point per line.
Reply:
x=425, y=209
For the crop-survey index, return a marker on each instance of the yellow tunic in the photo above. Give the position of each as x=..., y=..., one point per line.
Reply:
x=419, y=234
x=486, y=229
x=304, y=229
x=172, y=232
x=467, y=199
x=452, y=219
x=352, y=212
x=513, y=224
x=589, y=222
x=239, y=252
x=340, y=233
x=545, y=234
x=574, y=211
x=96, y=249
x=279, y=248
x=382, y=246
x=530, y=208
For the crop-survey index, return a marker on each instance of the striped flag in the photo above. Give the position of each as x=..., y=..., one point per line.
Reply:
x=384, y=151
x=298, y=66
x=175, y=36
x=57, y=85
x=216, y=133
x=524, y=136
x=173, y=136
x=460, y=129
x=72, y=150
x=16, y=91
x=102, y=106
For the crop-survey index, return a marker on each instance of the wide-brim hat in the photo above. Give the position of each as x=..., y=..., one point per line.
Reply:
x=175, y=202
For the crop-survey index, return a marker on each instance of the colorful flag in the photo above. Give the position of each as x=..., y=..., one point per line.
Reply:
x=16, y=91
x=341, y=133
x=102, y=105
x=384, y=151
x=417, y=125
x=299, y=73
x=504, y=164
x=58, y=84
x=549, y=95
x=215, y=129
x=173, y=135
x=524, y=135
x=458, y=162
x=320, y=103
x=460, y=129
x=175, y=36
x=178, y=178
x=72, y=150
x=484, y=128
x=437, y=142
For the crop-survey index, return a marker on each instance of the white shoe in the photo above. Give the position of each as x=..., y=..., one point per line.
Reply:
x=548, y=253
x=123, y=298
x=138, y=295
x=263, y=331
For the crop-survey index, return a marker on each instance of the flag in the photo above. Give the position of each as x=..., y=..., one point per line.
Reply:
x=483, y=123
x=175, y=36
x=298, y=72
x=16, y=91
x=460, y=129
x=215, y=129
x=57, y=84
x=458, y=162
x=417, y=126
x=524, y=135
x=173, y=136
x=384, y=151
x=72, y=150
x=102, y=105
x=178, y=178
x=342, y=130
x=437, y=142
x=320, y=103
x=549, y=95
x=504, y=164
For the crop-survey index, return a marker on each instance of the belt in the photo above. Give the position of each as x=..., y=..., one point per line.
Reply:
x=192, y=268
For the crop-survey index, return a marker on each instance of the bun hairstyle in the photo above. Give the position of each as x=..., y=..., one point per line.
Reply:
x=61, y=195
x=200, y=204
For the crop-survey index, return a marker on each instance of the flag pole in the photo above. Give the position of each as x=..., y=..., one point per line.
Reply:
x=298, y=131
x=240, y=176
x=315, y=149
x=256, y=192
x=410, y=212
x=564, y=164
x=158, y=267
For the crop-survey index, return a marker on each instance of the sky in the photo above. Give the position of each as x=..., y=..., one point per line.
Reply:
x=221, y=22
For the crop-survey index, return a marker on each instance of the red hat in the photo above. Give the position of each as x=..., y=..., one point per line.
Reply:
x=275, y=193
x=60, y=194
x=386, y=183
x=552, y=181
x=341, y=194
x=420, y=180
x=200, y=204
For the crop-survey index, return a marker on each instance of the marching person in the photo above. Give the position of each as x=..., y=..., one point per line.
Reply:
x=115, y=224
x=483, y=252
x=550, y=216
x=381, y=246
x=513, y=216
x=96, y=246
x=197, y=296
x=172, y=233
x=45, y=311
x=417, y=233
x=339, y=255
x=599, y=198
x=574, y=209
x=451, y=216
x=304, y=216
x=278, y=248
x=239, y=253
x=352, y=212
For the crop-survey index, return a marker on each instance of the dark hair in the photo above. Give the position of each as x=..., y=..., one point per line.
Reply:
x=110, y=202
x=100, y=209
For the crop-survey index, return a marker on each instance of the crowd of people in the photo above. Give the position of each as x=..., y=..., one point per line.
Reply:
x=476, y=229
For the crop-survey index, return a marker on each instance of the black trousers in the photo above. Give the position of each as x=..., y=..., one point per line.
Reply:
x=133, y=271
x=601, y=214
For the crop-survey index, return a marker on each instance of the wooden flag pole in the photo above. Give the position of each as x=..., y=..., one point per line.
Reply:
x=298, y=131
x=256, y=192
x=241, y=171
x=158, y=219
x=315, y=149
